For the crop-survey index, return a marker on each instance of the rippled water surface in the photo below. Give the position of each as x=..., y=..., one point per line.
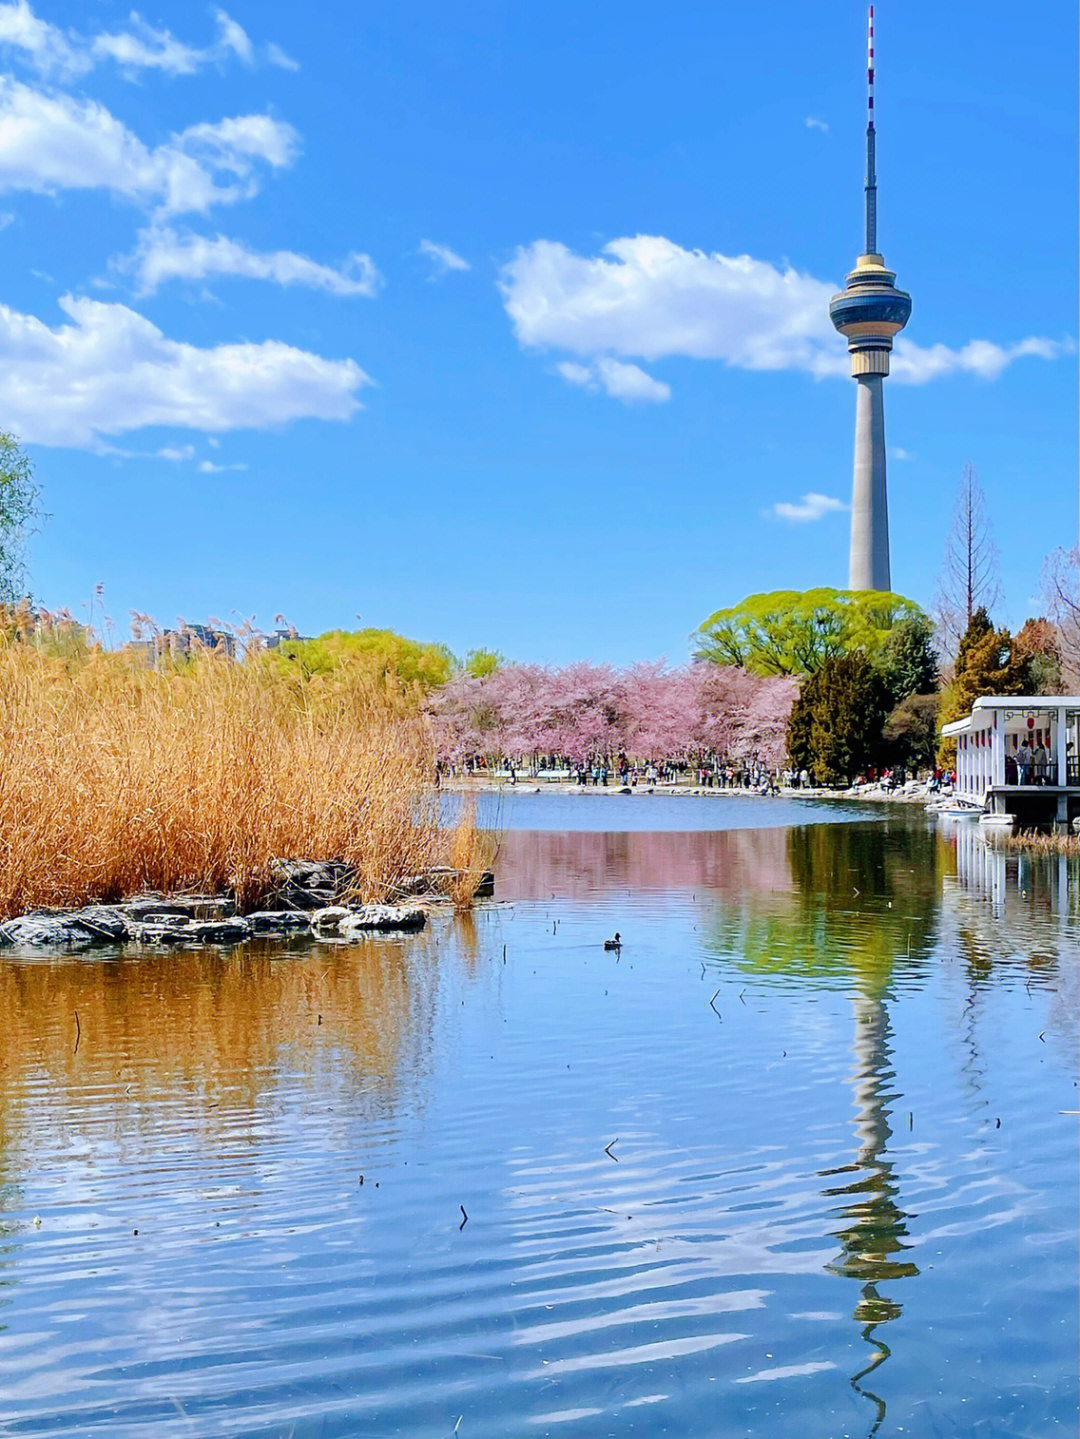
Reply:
x=800, y=1160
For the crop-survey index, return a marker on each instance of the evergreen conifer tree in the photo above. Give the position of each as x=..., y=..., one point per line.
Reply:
x=836, y=724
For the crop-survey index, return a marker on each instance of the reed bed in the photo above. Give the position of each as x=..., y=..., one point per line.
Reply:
x=1032, y=841
x=117, y=778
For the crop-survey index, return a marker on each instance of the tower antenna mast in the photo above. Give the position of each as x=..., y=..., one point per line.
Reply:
x=871, y=169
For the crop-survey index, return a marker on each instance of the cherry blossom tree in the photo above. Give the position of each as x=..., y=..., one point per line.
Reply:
x=583, y=712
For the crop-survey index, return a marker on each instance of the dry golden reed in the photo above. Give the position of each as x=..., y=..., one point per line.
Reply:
x=1030, y=841
x=116, y=778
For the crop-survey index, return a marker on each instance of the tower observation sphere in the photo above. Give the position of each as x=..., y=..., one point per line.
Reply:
x=869, y=312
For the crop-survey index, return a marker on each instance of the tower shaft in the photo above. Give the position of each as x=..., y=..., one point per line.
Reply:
x=869, y=502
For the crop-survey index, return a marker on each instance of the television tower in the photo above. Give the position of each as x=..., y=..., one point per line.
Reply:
x=869, y=312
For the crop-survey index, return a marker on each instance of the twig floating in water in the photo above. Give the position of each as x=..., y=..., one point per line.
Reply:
x=78, y=1033
x=712, y=1006
x=607, y=1150
x=741, y=993
x=464, y=1218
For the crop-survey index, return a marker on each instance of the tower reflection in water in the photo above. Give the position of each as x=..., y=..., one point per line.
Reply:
x=872, y=1237
x=897, y=871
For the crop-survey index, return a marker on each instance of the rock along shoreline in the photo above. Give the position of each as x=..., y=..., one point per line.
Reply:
x=310, y=901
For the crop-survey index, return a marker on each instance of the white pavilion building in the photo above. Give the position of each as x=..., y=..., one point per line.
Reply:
x=1020, y=755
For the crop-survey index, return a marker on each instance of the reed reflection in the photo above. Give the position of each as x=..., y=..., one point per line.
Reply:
x=204, y=1026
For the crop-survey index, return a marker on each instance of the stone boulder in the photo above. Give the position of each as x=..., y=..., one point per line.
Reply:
x=176, y=929
x=438, y=882
x=279, y=921
x=152, y=908
x=310, y=883
x=330, y=919
x=371, y=918
x=71, y=929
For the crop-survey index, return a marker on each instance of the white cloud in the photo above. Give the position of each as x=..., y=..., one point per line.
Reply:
x=55, y=142
x=275, y=55
x=234, y=37
x=811, y=507
x=207, y=467
x=110, y=371
x=144, y=48
x=896, y=452
x=644, y=297
x=628, y=383
x=164, y=254
x=45, y=46
x=443, y=258
x=55, y=52
x=813, y=123
x=915, y=364
x=175, y=454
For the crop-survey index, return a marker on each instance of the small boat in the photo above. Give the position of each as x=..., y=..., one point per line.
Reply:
x=615, y=943
x=959, y=809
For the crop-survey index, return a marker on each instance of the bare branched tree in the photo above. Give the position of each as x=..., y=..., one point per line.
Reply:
x=1061, y=595
x=969, y=576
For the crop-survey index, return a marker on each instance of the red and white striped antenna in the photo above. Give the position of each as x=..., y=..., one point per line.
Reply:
x=871, y=173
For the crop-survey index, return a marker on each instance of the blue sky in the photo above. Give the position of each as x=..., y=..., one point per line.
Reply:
x=504, y=325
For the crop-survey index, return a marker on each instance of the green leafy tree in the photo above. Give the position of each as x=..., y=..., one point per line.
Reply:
x=836, y=724
x=381, y=653
x=481, y=663
x=792, y=632
x=19, y=509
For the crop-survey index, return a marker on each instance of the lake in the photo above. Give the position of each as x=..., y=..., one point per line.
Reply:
x=799, y=1160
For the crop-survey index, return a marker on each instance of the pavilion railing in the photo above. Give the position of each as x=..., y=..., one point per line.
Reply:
x=1044, y=773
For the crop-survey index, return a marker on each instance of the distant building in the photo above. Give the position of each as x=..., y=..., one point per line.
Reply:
x=178, y=643
x=147, y=651
x=188, y=637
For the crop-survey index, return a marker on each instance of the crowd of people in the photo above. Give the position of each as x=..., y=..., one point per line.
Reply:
x=603, y=771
